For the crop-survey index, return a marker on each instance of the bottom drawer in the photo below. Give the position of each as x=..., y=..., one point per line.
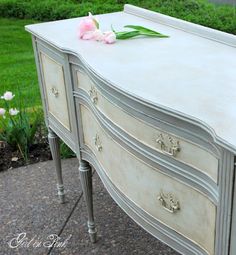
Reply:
x=177, y=205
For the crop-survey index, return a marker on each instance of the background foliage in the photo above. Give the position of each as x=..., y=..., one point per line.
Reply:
x=17, y=66
x=221, y=17
x=16, y=47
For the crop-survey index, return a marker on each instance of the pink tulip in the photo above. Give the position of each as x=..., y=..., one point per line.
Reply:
x=98, y=35
x=87, y=26
x=88, y=35
x=109, y=37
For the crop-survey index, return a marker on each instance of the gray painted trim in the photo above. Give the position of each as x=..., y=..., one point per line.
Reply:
x=196, y=126
x=68, y=136
x=225, y=203
x=153, y=107
x=53, y=140
x=154, y=117
x=53, y=124
x=205, y=32
x=150, y=224
x=233, y=219
x=72, y=108
x=180, y=171
x=43, y=97
x=87, y=187
x=183, y=126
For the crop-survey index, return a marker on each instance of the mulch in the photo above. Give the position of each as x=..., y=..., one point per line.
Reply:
x=10, y=158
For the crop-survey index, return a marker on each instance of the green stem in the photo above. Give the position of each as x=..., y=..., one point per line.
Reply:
x=21, y=152
x=3, y=124
x=126, y=35
x=137, y=31
x=8, y=108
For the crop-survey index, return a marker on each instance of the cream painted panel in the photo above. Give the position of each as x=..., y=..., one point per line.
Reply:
x=142, y=184
x=189, y=153
x=54, y=81
x=83, y=80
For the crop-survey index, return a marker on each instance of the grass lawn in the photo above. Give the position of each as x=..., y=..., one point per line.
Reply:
x=17, y=66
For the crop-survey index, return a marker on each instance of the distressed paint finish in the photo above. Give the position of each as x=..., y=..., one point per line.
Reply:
x=55, y=150
x=86, y=182
x=54, y=81
x=110, y=109
x=190, y=153
x=143, y=184
x=184, y=64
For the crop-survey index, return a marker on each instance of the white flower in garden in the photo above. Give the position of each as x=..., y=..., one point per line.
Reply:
x=2, y=112
x=8, y=96
x=13, y=111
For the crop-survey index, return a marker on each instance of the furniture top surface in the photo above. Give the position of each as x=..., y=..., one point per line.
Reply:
x=188, y=74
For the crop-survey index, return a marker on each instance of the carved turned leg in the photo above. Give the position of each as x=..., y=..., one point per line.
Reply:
x=55, y=150
x=86, y=182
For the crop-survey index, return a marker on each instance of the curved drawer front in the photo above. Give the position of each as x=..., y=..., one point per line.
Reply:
x=54, y=83
x=171, y=202
x=175, y=147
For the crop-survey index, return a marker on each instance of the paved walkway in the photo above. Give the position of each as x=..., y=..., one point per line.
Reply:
x=28, y=204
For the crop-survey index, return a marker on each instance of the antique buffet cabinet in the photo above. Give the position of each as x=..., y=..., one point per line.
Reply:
x=156, y=118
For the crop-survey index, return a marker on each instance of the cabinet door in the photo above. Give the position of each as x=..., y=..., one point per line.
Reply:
x=55, y=89
x=56, y=92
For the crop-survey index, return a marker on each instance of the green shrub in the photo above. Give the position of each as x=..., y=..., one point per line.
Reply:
x=65, y=151
x=221, y=17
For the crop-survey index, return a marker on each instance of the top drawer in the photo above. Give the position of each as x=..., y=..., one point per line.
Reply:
x=176, y=147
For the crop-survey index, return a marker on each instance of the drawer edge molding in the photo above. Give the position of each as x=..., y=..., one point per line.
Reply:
x=186, y=174
x=225, y=192
x=190, y=124
x=157, y=138
x=156, y=228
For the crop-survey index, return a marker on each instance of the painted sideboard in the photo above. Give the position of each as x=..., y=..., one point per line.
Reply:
x=156, y=118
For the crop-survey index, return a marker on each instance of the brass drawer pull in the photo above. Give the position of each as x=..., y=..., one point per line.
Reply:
x=55, y=91
x=168, y=145
x=98, y=143
x=93, y=95
x=169, y=202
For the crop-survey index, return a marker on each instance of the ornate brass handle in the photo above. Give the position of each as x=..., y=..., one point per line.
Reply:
x=169, y=202
x=168, y=145
x=93, y=95
x=55, y=91
x=98, y=143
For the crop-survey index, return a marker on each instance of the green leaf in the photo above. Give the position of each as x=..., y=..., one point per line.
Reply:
x=146, y=31
x=142, y=29
x=96, y=23
x=126, y=35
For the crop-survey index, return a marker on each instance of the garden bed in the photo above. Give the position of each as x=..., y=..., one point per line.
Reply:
x=11, y=158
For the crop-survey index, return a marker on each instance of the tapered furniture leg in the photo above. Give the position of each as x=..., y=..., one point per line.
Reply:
x=86, y=182
x=55, y=150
